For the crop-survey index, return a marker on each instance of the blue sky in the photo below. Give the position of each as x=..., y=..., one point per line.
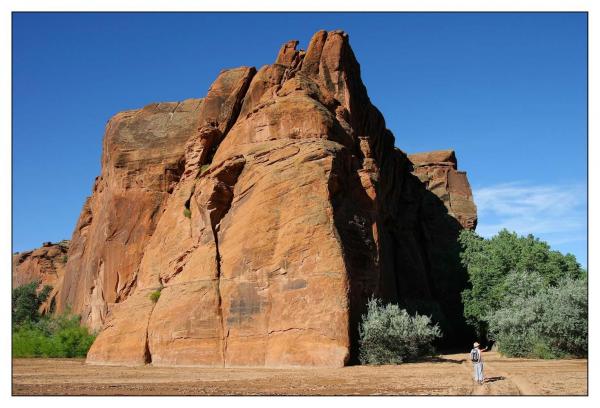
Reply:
x=507, y=91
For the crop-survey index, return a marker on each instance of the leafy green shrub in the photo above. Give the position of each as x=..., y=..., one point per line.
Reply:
x=27, y=342
x=72, y=342
x=64, y=259
x=26, y=302
x=52, y=337
x=542, y=321
x=389, y=335
x=541, y=350
x=187, y=213
x=154, y=296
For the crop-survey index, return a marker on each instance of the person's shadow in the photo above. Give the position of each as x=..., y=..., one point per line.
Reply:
x=494, y=379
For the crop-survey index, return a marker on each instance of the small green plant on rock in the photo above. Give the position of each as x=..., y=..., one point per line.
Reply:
x=154, y=296
x=187, y=212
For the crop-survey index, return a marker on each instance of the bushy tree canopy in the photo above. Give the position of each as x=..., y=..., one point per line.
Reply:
x=490, y=261
x=389, y=335
x=542, y=321
x=26, y=302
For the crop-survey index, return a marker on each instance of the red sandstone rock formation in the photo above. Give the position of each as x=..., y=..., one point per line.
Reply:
x=142, y=161
x=437, y=170
x=45, y=264
x=266, y=214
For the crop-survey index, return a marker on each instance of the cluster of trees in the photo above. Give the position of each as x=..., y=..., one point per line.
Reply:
x=530, y=300
x=34, y=335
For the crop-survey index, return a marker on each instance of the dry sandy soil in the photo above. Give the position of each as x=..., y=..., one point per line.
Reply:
x=446, y=375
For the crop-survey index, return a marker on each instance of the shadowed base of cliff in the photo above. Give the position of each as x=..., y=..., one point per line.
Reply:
x=444, y=375
x=419, y=265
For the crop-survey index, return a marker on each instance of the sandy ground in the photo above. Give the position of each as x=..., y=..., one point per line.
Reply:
x=446, y=375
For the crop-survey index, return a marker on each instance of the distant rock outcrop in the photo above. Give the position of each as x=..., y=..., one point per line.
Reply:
x=437, y=170
x=266, y=214
x=45, y=265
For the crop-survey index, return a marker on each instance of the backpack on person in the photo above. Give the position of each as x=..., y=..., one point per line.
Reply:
x=475, y=356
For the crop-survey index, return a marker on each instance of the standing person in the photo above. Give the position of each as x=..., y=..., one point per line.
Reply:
x=477, y=361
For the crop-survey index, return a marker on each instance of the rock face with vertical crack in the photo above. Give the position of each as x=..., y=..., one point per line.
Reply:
x=267, y=214
x=142, y=161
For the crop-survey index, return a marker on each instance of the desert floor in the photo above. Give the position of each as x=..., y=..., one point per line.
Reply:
x=449, y=374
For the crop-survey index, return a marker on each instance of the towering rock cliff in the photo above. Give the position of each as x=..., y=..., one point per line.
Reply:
x=266, y=214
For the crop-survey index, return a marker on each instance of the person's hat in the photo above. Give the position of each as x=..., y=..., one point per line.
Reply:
x=475, y=344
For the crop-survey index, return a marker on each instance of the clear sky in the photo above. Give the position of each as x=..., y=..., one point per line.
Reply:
x=507, y=91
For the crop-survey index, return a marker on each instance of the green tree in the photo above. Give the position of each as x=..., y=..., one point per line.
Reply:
x=490, y=261
x=565, y=318
x=26, y=302
x=540, y=320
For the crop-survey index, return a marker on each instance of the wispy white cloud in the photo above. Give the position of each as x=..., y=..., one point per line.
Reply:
x=556, y=213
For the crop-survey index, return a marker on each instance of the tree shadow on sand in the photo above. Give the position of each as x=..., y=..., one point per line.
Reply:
x=444, y=360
